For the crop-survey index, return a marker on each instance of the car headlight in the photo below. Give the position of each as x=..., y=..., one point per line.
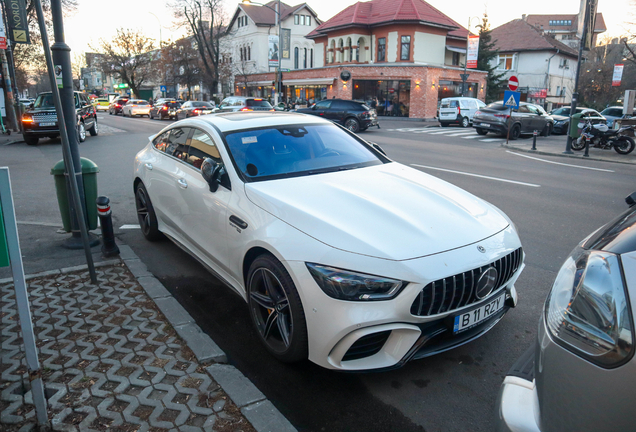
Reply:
x=558, y=122
x=588, y=312
x=348, y=285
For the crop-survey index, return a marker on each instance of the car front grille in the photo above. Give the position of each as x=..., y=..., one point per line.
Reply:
x=454, y=292
x=45, y=117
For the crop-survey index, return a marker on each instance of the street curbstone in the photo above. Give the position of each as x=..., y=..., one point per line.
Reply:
x=173, y=311
x=235, y=384
x=153, y=287
x=266, y=418
x=126, y=252
x=203, y=347
x=137, y=268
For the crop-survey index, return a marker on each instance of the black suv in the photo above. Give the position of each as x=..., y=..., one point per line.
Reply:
x=40, y=120
x=117, y=105
x=354, y=115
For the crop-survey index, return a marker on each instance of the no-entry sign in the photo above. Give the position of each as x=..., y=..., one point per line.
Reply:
x=513, y=83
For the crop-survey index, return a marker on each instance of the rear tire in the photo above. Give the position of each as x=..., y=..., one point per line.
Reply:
x=94, y=130
x=31, y=140
x=515, y=132
x=481, y=131
x=624, y=145
x=465, y=122
x=276, y=310
x=81, y=132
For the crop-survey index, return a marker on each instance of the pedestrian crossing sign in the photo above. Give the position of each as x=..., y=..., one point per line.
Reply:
x=511, y=99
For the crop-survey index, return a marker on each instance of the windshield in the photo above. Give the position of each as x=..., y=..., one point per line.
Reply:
x=257, y=103
x=497, y=106
x=44, y=101
x=287, y=151
x=565, y=111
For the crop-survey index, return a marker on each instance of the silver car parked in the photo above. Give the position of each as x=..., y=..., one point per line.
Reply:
x=526, y=119
x=581, y=373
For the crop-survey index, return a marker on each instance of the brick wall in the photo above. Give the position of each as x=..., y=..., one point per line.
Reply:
x=423, y=103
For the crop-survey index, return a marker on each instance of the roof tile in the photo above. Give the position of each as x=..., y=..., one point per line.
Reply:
x=518, y=35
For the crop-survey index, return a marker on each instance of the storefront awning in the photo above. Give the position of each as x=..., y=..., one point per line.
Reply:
x=308, y=81
x=455, y=49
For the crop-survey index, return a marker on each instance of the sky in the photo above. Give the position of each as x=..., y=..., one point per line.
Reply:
x=89, y=23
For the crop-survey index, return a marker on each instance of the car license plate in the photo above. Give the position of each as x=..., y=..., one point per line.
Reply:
x=46, y=124
x=484, y=124
x=472, y=318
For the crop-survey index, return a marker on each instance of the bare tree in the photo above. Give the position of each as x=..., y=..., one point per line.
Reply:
x=185, y=62
x=129, y=57
x=78, y=62
x=242, y=71
x=207, y=23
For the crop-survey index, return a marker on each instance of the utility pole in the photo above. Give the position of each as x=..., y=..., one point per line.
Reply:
x=8, y=91
x=11, y=87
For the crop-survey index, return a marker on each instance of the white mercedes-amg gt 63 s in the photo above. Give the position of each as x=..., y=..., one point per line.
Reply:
x=343, y=256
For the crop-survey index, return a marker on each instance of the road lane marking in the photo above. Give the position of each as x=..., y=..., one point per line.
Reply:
x=477, y=175
x=463, y=133
x=129, y=226
x=560, y=163
x=491, y=140
x=444, y=132
x=471, y=137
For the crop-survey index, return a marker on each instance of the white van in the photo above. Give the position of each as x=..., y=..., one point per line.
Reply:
x=458, y=110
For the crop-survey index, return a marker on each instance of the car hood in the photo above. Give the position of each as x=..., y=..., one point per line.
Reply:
x=559, y=117
x=388, y=211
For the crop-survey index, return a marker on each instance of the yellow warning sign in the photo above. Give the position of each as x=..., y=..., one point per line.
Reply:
x=19, y=36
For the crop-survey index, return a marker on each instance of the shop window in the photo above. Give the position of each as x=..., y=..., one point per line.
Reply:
x=406, y=48
x=381, y=49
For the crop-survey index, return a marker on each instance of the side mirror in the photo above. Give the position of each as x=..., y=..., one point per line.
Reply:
x=211, y=172
x=378, y=148
x=31, y=105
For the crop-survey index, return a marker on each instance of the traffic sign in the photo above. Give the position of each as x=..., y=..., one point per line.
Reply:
x=513, y=83
x=163, y=88
x=511, y=99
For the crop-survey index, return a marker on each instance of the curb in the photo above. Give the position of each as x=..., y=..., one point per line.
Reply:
x=256, y=408
x=571, y=156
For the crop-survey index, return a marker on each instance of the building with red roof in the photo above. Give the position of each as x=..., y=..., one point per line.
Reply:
x=404, y=52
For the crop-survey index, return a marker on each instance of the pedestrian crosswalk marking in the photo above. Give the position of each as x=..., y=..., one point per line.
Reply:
x=471, y=137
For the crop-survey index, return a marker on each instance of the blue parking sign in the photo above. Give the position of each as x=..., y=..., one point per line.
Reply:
x=511, y=99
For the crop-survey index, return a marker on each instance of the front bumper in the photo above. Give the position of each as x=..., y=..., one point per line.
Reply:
x=337, y=329
x=561, y=128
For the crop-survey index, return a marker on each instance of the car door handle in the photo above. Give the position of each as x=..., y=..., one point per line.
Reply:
x=182, y=183
x=238, y=222
x=149, y=166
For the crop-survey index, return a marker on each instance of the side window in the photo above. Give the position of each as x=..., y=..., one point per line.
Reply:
x=177, y=144
x=524, y=109
x=186, y=105
x=161, y=141
x=323, y=105
x=352, y=106
x=454, y=104
x=532, y=109
x=339, y=105
x=201, y=147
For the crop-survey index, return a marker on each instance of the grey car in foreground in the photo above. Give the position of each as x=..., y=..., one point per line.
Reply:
x=497, y=118
x=581, y=373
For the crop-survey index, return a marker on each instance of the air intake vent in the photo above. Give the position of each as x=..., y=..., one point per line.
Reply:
x=367, y=345
x=457, y=291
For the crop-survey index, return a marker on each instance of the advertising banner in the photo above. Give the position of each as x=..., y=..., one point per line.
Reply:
x=17, y=19
x=286, y=43
x=618, y=75
x=3, y=34
x=473, y=51
x=538, y=93
x=272, y=56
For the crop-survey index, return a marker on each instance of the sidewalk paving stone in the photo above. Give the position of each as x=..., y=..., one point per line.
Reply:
x=112, y=361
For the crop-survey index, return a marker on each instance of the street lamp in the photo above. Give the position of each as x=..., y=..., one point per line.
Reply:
x=163, y=66
x=465, y=75
x=280, y=52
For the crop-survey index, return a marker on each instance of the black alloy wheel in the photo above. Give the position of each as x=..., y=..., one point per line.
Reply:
x=624, y=145
x=146, y=214
x=276, y=310
x=352, y=124
x=515, y=132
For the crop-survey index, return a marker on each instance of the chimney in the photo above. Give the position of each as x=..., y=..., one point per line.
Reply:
x=523, y=17
x=614, y=41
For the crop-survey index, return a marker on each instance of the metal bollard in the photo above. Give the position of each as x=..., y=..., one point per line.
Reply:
x=109, y=247
x=587, y=148
x=534, y=140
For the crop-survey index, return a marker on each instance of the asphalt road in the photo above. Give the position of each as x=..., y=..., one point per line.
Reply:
x=553, y=205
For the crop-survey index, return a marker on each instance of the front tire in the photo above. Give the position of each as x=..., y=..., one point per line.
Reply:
x=94, y=130
x=146, y=214
x=31, y=140
x=276, y=310
x=352, y=124
x=81, y=132
x=465, y=122
x=624, y=145
x=578, y=144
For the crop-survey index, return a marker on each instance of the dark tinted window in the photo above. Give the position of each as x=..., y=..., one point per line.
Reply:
x=352, y=106
x=257, y=103
x=44, y=101
x=523, y=109
x=497, y=106
x=201, y=104
x=323, y=105
x=339, y=105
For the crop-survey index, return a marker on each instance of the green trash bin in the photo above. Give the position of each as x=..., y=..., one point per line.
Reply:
x=89, y=176
x=575, y=130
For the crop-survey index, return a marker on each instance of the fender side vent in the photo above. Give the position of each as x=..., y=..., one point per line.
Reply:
x=367, y=346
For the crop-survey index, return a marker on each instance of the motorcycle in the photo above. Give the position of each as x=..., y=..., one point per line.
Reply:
x=601, y=136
